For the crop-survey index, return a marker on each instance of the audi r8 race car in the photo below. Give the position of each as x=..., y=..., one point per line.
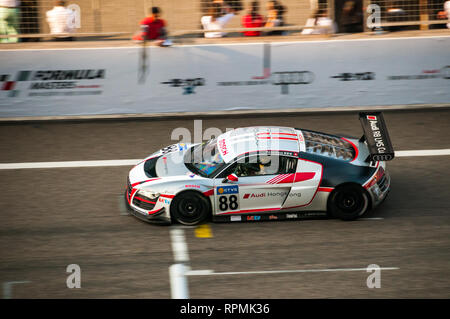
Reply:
x=264, y=173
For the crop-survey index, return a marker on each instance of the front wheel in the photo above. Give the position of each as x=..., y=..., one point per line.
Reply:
x=190, y=208
x=348, y=202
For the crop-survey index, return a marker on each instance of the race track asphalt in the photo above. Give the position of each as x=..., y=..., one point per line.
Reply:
x=51, y=218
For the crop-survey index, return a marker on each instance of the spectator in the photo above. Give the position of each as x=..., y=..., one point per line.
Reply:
x=253, y=20
x=447, y=9
x=275, y=17
x=9, y=20
x=61, y=21
x=351, y=19
x=319, y=19
x=153, y=28
x=215, y=21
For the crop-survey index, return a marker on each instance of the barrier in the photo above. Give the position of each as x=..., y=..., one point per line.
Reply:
x=225, y=77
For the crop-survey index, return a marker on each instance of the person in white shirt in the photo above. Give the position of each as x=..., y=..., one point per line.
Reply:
x=215, y=21
x=61, y=21
x=9, y=20
x=319, y=19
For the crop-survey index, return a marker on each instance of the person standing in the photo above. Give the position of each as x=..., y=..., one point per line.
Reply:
x=215, y=21
x=153, y=28
x=253, y=20
x=275, y=17
x=322, y=22
x=9, y=20
x=61, y=21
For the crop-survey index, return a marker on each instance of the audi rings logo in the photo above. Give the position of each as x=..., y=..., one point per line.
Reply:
x=291, y=78
x=385, y=157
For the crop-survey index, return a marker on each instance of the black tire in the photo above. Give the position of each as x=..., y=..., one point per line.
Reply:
x=348, y=202
x=190, y=208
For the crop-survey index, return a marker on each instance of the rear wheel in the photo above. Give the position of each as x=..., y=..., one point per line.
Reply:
x=190, y=208
x=348, y=202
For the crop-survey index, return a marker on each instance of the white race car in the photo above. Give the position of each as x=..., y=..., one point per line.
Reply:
x=264, y=173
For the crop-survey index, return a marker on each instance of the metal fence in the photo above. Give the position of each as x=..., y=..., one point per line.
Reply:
x=411, y=12
x=109, y=17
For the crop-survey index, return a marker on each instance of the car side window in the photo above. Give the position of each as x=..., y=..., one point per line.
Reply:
x=265, y=165
x=260, y=166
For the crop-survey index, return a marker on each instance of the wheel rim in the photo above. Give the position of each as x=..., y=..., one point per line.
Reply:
x=349, y=202
x=190, y=209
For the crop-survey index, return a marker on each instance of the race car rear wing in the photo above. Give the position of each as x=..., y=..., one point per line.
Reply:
x=377, y=137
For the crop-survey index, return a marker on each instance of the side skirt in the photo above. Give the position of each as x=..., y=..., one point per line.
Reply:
x=270, y=217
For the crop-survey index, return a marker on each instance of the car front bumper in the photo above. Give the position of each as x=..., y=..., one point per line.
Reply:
x=155, y=218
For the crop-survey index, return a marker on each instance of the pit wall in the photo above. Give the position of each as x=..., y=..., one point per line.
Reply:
x=313, y=74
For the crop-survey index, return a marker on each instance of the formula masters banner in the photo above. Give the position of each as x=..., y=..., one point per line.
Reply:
x=225, y=77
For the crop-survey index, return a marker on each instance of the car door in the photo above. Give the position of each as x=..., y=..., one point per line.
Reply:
x=262, y=186
x=305, y=184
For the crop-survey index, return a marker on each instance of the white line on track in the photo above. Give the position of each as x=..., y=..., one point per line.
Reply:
x=212, y=273
x=422, y=153
x=7, y=288
x=177, y=272
x=132, y=162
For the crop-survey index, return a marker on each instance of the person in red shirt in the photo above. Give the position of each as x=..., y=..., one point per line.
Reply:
x=152, y=27
x=253, y=20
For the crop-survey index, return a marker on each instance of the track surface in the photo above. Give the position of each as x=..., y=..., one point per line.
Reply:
x=51, y=218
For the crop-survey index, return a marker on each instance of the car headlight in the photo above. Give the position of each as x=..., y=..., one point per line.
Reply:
x=149, y=194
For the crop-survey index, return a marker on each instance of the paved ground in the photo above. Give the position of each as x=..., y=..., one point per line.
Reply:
x=55, y=217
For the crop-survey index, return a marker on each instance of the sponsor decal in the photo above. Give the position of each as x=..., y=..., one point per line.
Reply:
x=188, y=85
x=362, y=76
x=55, y=82
x=273, y=217
x=379, y=143
x=182, y=147
x=166, y=169
x=246, y=196
x=253, y=218
x=284, y=78
x=192, y=186
x=276, y=194
x=295, y=194
x=235, y=218
x=283, y=194
x=169, y=149
x=225, y=190
x=164, y=200
x=443, y=73
x=227, y=199
x=223, y=147
x=291, y=215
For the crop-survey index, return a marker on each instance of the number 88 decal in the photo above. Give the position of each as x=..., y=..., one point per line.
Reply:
x=227, y=198
x=228, y=203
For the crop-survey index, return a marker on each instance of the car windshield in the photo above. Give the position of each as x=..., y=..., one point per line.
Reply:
x=204, y=159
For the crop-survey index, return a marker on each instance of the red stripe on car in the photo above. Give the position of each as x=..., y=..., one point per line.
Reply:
x=354, y=147
x=209, y=193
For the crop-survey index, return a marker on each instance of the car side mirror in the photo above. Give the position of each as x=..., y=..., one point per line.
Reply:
x=232, y=178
